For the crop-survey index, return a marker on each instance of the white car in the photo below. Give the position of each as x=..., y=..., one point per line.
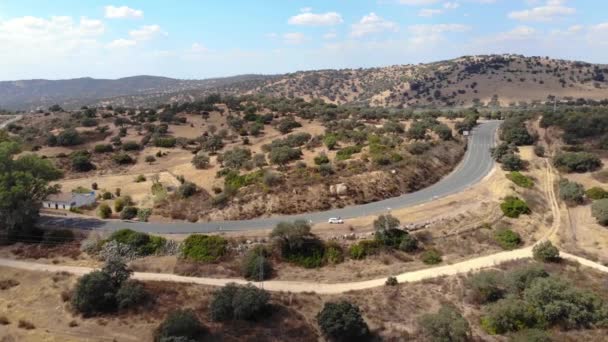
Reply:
x=335, y=220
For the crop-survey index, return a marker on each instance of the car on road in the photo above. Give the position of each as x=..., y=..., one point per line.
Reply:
x=335, y=220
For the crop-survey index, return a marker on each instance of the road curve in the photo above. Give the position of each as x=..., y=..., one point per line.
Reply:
x=476, y=164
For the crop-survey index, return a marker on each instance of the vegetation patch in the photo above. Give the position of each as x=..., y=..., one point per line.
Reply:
x=204, y=248
x=520, y=180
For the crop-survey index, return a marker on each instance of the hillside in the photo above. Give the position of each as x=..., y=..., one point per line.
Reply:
x=495, y=80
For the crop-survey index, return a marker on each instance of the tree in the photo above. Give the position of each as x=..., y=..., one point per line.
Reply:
x=282, y=155
x=342, y=321
x=236, y=158
x=200, y=161
x=130, y=294
x=24, y=184
x=577, y=161
x=599, y=210
x=213, y=144
x=69, y=137
x=546, y=252
x=144, y=214
x=117, y=270
x=256, y=264
x=180, y=323
x=259, y=160
x=94, y=293
x=447, y=325
x=486, y=287
x=511, y=162
x=238, y=302
x=81, y=161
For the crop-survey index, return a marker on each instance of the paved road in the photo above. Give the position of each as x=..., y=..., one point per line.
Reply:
x=476, y=164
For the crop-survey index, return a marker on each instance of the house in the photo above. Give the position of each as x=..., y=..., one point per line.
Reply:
x=67, y=201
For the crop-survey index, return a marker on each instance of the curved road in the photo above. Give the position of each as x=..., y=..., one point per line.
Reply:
x=475, y=165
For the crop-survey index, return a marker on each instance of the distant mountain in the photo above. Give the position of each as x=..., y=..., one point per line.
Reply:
x=498, y=80
x=32, y=94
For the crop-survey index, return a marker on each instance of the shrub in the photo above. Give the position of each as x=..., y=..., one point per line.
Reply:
x=187, y=189
x=94, y=293
x=596, y=193
x=520, y=180
x=180, y=324
x=599, y=210
x=546, y=252
x=513, y=207
x=81, y=161
x=571, y=192
x=511, y=162
x=521, y=278
x=507, y=239
x=131, y=294
x=130, y=146
x=342, y=321
x=282, y=155
x=386, y=222
x=140, y=179
x=104, y=211
x=150, y=159
x=418, y=147
x=347, y=152
x=408, y=243
x=236, y=158
x=577, y=162
x=69, y=137
x=446, y=325
x=107, y=195
x=238, y=302
x=431, y=257
x=204, y=248
x=333, y=253
x=167, y=142
x=539, y=150
x=256, y=265
x=363, y=249
x=144, y=214
x=117, y=270
x=200, y=161
x=486, y=287
x=122, y=158
x=297, y=244
x=141, y=243
x=391, y=281
x=508, y=315
x=128, y=213
x=121, y=202
x=321, y=159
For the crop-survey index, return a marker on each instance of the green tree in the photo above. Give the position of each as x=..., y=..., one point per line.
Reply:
x=599, y=210
x=571, y=192
x=94, y=293
x=546, y=252
x=104, y=211
x=342, y=321
x=200, y=161
x=238, y=302
x=180, y=323
x=447, y=325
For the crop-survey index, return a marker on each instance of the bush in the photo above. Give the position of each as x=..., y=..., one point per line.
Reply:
x=363, y=249
x=391, y=281
x=486, y=287
x=546, y=252
x=256, y=265
x=511, y=162
x=282, y=155
x=507, y=239
x=577, y=162
x=121, y=202
x=297, y=244
x=596, y=193
x=144, y=214
x=180, y=324
x=509, y=315
x=513, y=207
x=204, y=248
x=69, y=137
x=131, y=294
x=520, y=180
x=521, y=278
x=342, y=321
x=571, y=192
x=321, y=159
x=140, y=179
x=81, y=161
x=141, y=243
x=187, y=189
x=94, y=293
x=347, y=152
x=128, y=213
x=408, y=243
x=123, y=158
x=238, y=302
x=107, y=195
x=386, y=222
x=431, y=257
x=130, y=146
x=200, y=161
x=167, y=142
x=333, y=253
x=446, y=325
x=599, y=210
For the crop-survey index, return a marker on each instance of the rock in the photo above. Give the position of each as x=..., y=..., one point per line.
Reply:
x=341, y=189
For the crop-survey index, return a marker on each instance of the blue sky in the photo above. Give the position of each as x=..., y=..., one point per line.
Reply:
x=199, y=39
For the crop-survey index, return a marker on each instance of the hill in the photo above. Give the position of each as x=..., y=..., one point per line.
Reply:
x=496, y=80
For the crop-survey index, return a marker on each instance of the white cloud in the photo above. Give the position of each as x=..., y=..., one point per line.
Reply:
x=428, y=12
x=517, y=34
x=424, y=34
x=113, y=12
x=551, y=10
x=147, y=32
x=313, y=19
x=372, y=23
x=451, y=5
x=294, y=38
x=121, y=43
x=418, y=2
x=330, y=35
x=198, y=48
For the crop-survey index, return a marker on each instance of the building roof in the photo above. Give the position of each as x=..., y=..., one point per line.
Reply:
x=67, y=197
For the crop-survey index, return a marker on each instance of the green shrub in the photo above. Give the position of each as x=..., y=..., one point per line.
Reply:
x=321, y=159
x=204, y=248
x=297, y=244
x=513, y=207
x=391, y=281
x=599, y=210
x=187, y=189
x=167, y=142
x=107, y=195
x=363, y=249
x=200, y=161
x=511, y=162
x=333, y=253
x=94, y=293
x=539, y=150
x=577, y=161
x=238, y=302
x=546, y=252
x=104, y=211
x=507, y=239
x=485, y=287
x=256, y=264
x=520, y=180
x=408, y=243
x=128, y=213
x=122, y=158
x=347, y=152
x=142, y=243
x=144, y=214
x=431, y=257
x=508, y=315
x=447, y=325
x=140, y=179
x=596, y=193
x=521, y=278
x=130, y=146
x=571, y=192
x=131, y=294
x=180, y=324
x=121, y=202
x=342, y=321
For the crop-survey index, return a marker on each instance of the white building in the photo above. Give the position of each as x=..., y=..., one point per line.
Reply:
x=67, y=201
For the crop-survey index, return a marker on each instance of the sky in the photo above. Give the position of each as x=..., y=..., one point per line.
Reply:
x=194, y=39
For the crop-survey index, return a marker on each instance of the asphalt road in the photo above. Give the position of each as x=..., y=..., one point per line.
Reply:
x=475, y=165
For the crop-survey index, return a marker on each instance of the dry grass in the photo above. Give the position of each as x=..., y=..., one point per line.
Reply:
x=6, y=284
